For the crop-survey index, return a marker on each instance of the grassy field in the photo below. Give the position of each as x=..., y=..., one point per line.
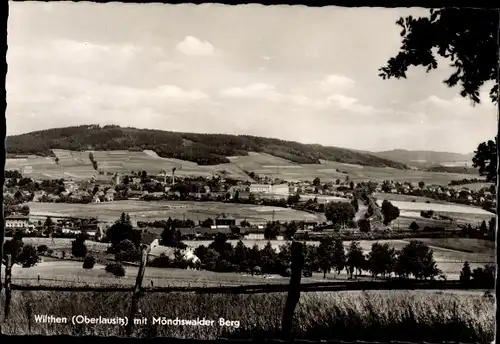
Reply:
x=472, y=186
x=441, y=208
x=76, y=165
x=380, y=316
x=467, y=245
x=158, y=210
x=407, y=198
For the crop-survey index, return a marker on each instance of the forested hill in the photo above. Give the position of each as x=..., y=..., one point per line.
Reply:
x=204, y=149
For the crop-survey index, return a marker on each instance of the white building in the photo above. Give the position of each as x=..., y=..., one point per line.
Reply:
x=260, y=188
x=17, y=221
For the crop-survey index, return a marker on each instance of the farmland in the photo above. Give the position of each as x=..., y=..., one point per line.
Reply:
x=472, y=186
x=162, y=210
x=76, y=165
x=442, y=208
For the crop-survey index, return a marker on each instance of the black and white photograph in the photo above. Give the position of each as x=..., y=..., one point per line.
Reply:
x=249, y=172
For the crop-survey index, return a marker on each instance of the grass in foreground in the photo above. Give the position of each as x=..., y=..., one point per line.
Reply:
x=319, y=316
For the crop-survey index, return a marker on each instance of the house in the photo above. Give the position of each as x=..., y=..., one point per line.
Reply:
x=149, y=239
x=260, y=188
x=224, y=221
x=70, y=186
x=187, y=232
x=96, y=199
x=254, y=236
x=110, y=195
x=281, y=189
x=17, y=221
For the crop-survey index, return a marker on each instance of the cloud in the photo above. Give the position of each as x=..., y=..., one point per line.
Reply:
x=336, y=82
x=253, y=91
x=456, y=108
x=349, y=103
x=195, y=47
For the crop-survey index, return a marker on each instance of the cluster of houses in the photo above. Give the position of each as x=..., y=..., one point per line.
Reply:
x=462, y=195
x=63, y=225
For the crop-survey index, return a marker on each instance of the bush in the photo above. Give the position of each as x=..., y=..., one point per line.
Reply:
x=116, y=269
x=28, y=256
x=42, y=249
x=89, y=262
x=414, y=226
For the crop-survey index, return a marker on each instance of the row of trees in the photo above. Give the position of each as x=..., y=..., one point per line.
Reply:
x=414, y=260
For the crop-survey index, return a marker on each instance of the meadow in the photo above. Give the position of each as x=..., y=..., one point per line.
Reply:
x=472, y=186
x=437, y=207
x=380, y=316
x=76, y=165
x=162, y=210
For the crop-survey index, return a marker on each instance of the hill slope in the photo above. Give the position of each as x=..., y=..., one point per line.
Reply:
x=426, y=157
x=204, y=149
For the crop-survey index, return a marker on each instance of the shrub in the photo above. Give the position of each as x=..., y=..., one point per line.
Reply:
x=89, y=262
x=414, y=226
x=28, y=256
x=42, y=249
x=116, y=269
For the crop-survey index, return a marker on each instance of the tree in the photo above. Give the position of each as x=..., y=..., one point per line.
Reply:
x=14, y=247
x=127, y=251
x=89, y=262
x=355, y=258
x=207, y=223
x=116, y=269
x=483, y=228
x=414, y=226
x=381, y=259
x=291, y=229
x=339, y=258
x=339, y=213
x=28, y=256
x=421, y=184
x=222, y=247
x=417, y=259
x=293, y=199
x=452, y=31
x=491, y=225
x=271, y=231
x=254, y=259
x=466, y=273
x=316, y=181
x=78, y=247
x=355, y=204
x=48, y=225
x=241, y=256
x=389, y=212
x=364, y=225
x=42, y=249
x=268, y=258
x=121, y=230
x=351, y=185
x=326, y=254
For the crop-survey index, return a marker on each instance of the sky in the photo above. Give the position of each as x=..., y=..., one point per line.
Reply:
x=290, y=72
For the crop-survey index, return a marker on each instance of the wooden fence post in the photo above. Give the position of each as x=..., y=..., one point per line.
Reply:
x=293, y=289
x=8, y=291
x=137, y=289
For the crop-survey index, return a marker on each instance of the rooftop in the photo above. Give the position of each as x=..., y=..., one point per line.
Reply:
x=17, y=217
x=225, y=217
